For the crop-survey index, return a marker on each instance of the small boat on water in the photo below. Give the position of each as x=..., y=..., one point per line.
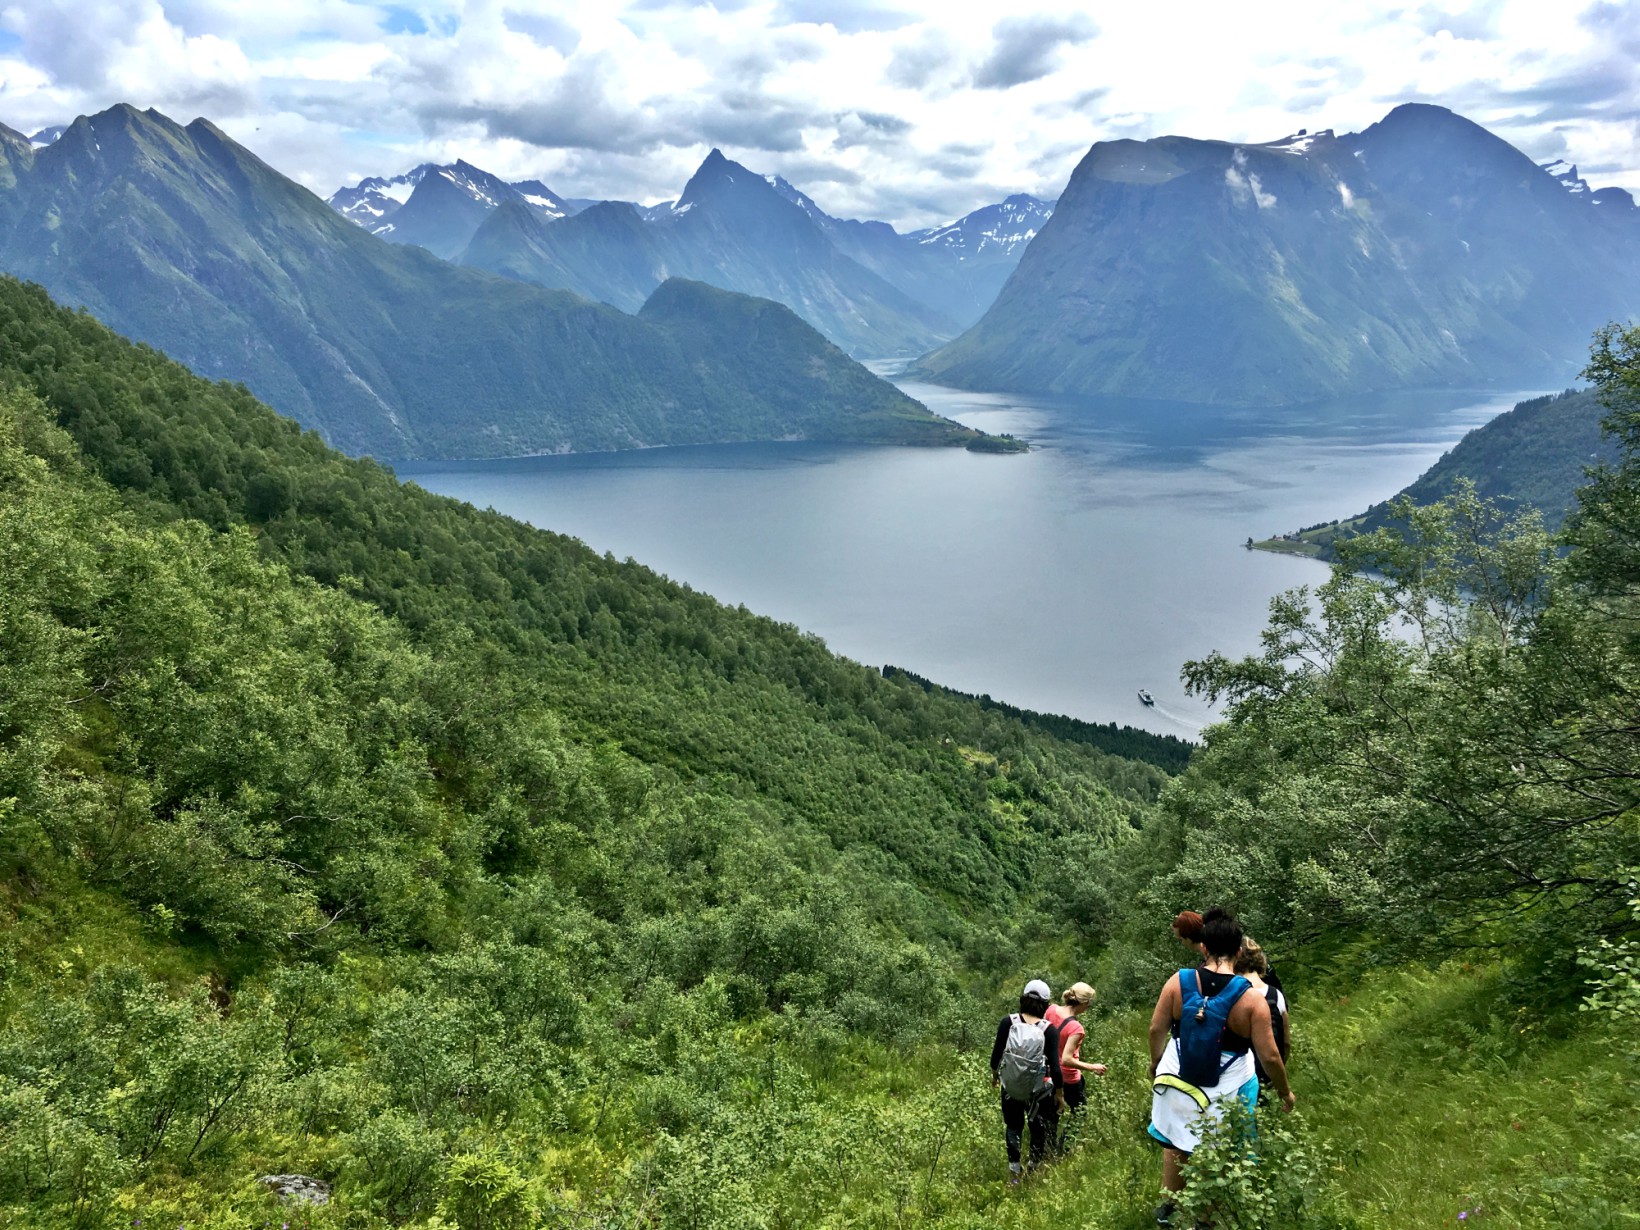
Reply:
x=1146, y=698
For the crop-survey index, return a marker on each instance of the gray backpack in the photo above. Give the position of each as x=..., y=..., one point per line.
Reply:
x=1025, y=1058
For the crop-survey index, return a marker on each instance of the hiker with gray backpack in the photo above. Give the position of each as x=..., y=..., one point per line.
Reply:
x=1204, y=1035
x=1025, y=1068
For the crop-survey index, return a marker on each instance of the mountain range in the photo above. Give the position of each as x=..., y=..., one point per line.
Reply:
x=181, y=238
x=872, y=290
x=1424, y=251
x=440, y=207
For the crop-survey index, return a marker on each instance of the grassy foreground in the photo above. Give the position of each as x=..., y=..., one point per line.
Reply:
x=1424, y=1101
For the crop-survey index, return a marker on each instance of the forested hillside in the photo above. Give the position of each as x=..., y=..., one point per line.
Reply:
x=1535, y=455
x=371, y=827
x=348, y=831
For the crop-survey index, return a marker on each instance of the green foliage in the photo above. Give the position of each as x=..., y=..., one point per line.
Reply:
x=1247, y=1176
x=398, y=844
x=409, y=842
x=481, y=1192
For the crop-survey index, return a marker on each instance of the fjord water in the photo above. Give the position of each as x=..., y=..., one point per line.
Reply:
x=1062, y=580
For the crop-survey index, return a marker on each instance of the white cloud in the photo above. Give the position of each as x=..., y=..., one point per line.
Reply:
x=910, y=110
x=1244, y=186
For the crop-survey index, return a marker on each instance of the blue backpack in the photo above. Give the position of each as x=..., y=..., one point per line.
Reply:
x=1201, y=1029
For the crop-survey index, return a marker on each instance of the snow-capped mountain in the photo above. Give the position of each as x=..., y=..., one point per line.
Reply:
x=371, y=202
x=927, y=281
x=1566, y=173
x=996, y=230
x=440, y=207
x=956, y=268
x=46, y=136
x=1617, y=201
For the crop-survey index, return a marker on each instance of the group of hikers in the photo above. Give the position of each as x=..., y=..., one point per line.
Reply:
x=1219, y=1033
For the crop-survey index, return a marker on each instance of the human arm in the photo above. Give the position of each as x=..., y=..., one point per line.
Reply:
x=1264, y=1044
x=1068, y=1056
x=1000, y=1045
x=1168, y=1004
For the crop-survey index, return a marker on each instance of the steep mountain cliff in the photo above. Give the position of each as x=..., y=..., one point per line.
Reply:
x=1423, y=251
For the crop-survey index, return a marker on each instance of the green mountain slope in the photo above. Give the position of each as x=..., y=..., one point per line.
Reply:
x=1421, y=252
x=183, y=239
x=351, y=832
x=341, y=790
x=1534, y=455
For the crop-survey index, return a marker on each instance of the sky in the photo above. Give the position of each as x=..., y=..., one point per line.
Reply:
x=904, y=110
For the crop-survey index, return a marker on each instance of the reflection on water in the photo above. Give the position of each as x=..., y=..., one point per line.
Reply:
x=1062, y=580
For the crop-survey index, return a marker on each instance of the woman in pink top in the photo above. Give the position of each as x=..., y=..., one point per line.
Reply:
x=1077, y=999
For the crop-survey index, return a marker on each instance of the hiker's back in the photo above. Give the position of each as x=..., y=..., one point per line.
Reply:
x=1207, y=1041
x=1024, y=1066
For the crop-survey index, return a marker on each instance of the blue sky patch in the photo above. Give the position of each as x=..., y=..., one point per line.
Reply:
x=396, y=19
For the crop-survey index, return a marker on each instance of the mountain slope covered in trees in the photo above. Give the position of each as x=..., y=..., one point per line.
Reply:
x=350, y=831
x=185, y=240
x=1535, y=455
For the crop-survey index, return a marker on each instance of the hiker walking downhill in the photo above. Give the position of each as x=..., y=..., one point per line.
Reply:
x=1025, y=1068
x=1253, y=965
x=1203, y=1035
x=1076, y=1000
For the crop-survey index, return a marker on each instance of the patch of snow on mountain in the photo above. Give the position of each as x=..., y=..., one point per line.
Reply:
x=1300, y=142
x=468, y=186
x=398, y=189
x=544, y=204
x=995, y=228
x=1566, y=173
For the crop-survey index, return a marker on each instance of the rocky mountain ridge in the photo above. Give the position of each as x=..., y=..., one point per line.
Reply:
x=1424, y=251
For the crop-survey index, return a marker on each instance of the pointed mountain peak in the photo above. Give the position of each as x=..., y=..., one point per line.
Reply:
x=717, y=176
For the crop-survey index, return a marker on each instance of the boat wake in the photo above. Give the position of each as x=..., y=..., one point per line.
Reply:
x=1194, y=725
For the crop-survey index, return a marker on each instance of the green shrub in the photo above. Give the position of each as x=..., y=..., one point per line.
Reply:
x=482, y=1192
x=1247, y=1176
x=393, y=1161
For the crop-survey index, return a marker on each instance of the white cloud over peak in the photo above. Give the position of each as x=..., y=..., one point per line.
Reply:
x=907, y=110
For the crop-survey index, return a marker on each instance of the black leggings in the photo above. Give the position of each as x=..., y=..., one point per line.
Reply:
x=1041, y=1113
x=1076, y=1096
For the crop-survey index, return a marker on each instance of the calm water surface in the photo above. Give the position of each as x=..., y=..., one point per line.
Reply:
x=1062, y=580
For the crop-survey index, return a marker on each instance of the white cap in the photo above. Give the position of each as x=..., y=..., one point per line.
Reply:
x=1037, y=988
